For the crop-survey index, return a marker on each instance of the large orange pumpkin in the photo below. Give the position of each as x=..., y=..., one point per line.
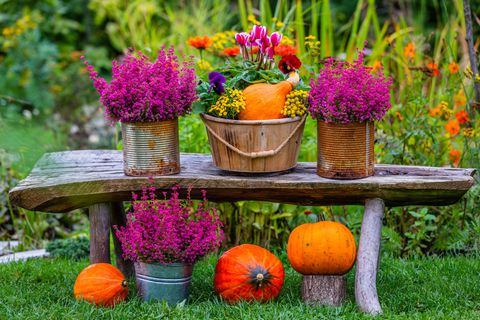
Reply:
x=101, y=284
x=248, y=272
x=322, y=248
x=266, y=101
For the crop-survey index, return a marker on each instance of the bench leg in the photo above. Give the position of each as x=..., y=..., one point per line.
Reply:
x=119, y=218
x=100, y=223
x=367, y=257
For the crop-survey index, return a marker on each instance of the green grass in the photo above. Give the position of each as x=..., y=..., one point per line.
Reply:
x=427, y=288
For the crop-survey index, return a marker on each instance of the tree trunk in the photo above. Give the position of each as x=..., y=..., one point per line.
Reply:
x=324, y=290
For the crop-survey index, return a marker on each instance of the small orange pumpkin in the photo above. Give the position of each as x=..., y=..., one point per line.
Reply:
x=101, y=284
x=266, y=101
x=322, y=248
x=248, y=272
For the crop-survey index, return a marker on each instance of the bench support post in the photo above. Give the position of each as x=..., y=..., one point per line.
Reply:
x=119, y=218
x=100, y=222
x=367, y=257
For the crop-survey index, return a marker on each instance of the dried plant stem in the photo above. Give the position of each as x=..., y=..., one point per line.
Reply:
x=471, y=50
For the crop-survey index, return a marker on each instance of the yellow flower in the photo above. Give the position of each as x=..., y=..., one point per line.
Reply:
x=204, y=65
x=279, y=24
x=230, y=103
x=469, y=132
x=295, y=103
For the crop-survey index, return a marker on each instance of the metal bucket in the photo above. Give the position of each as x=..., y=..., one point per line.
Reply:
x=345, y=151
x=151, y=148
x=163, y=282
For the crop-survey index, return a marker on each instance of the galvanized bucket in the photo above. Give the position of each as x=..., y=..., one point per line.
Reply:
x=151, y=148
x=163, y=282
x=345, y=151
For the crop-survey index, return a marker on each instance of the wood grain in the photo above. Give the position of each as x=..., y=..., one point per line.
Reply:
x=318, y=290
x=64, y=181
x=367, y=257
x=100, y=222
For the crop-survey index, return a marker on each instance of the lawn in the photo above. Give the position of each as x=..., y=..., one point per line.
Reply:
x=423, y=288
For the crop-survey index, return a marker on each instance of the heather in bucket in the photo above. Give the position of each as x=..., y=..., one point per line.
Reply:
x=346, y=92
x=169, y=231
x=145, y=91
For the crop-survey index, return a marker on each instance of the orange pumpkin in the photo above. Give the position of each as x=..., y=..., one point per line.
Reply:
x=248, y=272
x=101, y=284
x=266, y=101
x=322, y=248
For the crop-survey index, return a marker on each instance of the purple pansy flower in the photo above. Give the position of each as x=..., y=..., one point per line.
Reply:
x=216, y=82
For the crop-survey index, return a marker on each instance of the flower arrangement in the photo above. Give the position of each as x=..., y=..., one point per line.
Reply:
x=145, y=91
x=347, y=92
x=169, y=231
x=225, y=93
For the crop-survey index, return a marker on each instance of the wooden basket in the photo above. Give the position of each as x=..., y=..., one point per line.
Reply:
x=345, y=151
x=254, y=146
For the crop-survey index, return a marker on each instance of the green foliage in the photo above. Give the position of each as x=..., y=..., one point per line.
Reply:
x=71, y=248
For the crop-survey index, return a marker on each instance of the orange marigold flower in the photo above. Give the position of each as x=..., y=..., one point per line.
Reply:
x=433, y=67
x=453, y=127
x=285, y=50
x=435, y=112
x=399, y=116
x=453, y=67
x=200, y=42
x=232, y=51
x=459, y=99
x=454, y=157
x=409, y=50
x=462, y=116
x=376, y=65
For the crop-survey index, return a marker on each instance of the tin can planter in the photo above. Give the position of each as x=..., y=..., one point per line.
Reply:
x=163, y=282
x=151, y=148
x=345, y=151
x=254, y=146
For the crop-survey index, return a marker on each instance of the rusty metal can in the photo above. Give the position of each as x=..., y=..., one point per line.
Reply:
x=151, y=148
x=345, y=151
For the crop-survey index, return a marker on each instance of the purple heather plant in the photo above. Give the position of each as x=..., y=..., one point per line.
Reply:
x=349, y=92
x=145, y=91
x=169, y=231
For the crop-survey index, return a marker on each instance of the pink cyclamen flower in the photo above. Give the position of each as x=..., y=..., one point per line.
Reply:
x=275, y=38
x=242, y=38
x=270, y=52
x=258, y=32
x=263, y=43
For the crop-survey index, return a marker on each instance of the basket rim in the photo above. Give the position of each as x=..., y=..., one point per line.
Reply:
x=249, y=122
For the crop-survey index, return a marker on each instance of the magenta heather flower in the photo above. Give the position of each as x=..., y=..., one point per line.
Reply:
x=169, y=231
x=349, y=92
x=144, y=91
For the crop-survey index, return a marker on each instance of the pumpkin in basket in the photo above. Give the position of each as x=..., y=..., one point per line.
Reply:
x=101, y=284
x=266, y=101
x=249, y=273
x=322, y=248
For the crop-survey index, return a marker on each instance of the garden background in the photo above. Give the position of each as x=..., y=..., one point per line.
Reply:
x=47, y=102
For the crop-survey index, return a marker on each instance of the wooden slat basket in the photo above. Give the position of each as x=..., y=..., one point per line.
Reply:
x=254, y=146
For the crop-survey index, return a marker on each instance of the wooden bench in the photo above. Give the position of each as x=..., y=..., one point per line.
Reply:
x=64, y=181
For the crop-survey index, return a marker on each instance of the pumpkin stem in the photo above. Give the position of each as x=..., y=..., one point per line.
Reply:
x=293, y=78
x=124, y=283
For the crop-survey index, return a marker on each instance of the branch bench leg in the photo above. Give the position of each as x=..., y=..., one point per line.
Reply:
x=367, y=257
x=119, y=218
x=100, y=222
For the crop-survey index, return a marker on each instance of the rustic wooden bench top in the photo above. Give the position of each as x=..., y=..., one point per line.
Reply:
x=63, y=181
